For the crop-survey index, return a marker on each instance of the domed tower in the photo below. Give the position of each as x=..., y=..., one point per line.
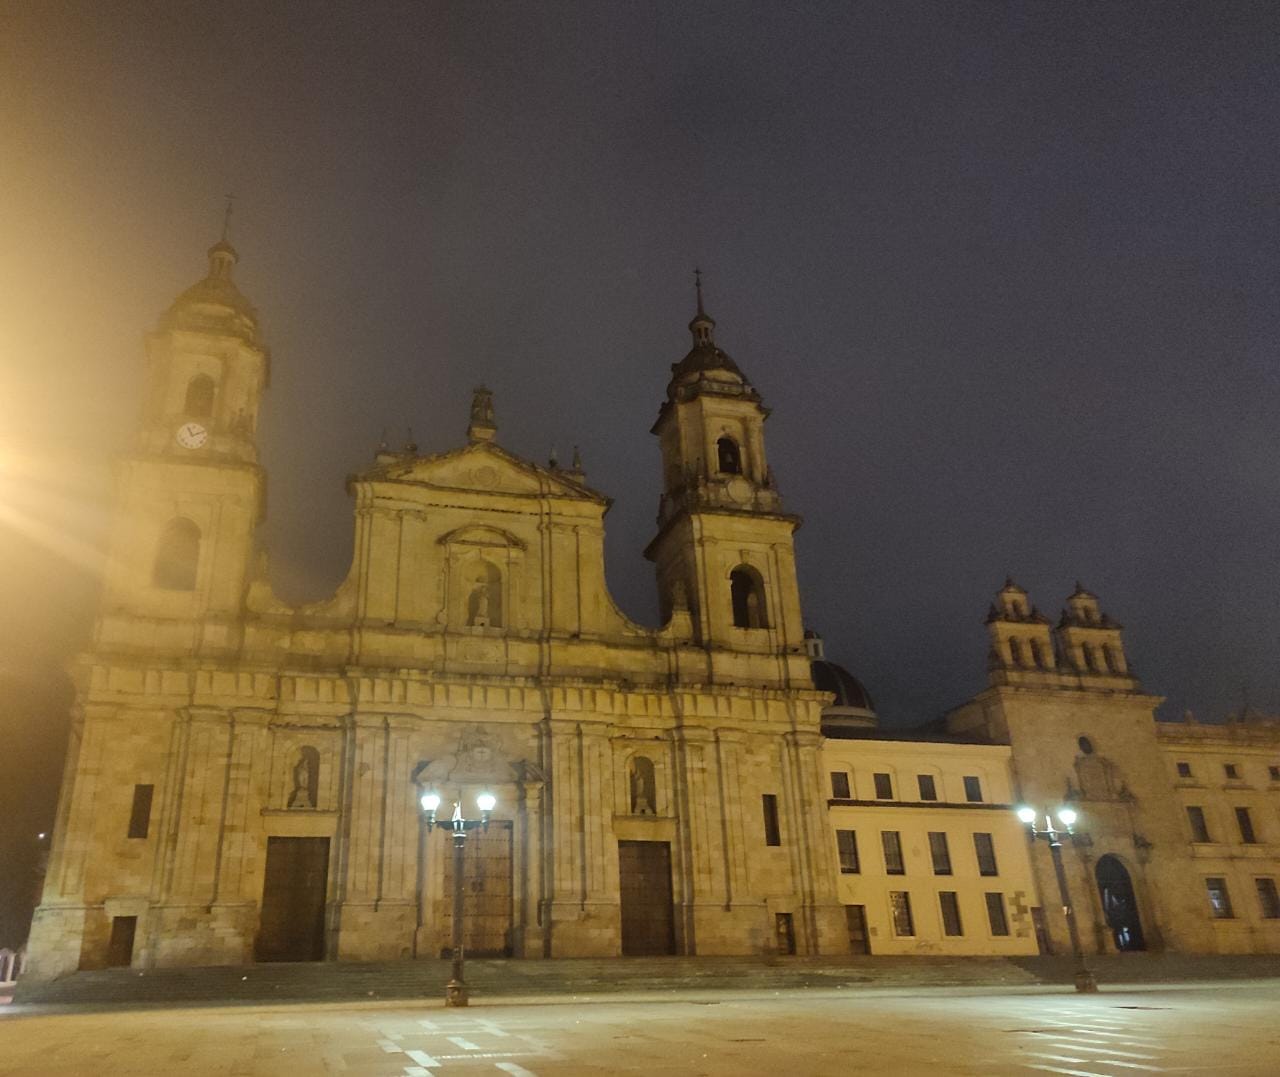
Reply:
x=724, y=543
x=191, y=493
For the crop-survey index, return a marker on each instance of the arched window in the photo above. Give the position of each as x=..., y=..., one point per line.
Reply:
x=199, y=403
x=177, y=556
x=1090, y=659
x=747, y=592
x=730, y=457
x=1108, y=656
x=1015, y=652
x=1037, y=653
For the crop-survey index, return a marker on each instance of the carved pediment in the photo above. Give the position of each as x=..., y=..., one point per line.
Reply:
x=483, y=468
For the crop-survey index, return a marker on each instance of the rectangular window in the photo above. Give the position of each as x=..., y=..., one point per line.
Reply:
x=940, y=853
x=772, y=835
x=840, y=785
x=928, y=789
x=1275, y=773
x=892, y=844
x=950, y=902
x=847, y=844
x=995, y=914
x=884, y=787
x=972, y=789
x=140, y=815
x=900, y=903
x=1219, y=899
x=985, y=848
x=1231, y=770
x=1199, y=828
x=1245, y=823
x=1268, y=898
x=1184, y=770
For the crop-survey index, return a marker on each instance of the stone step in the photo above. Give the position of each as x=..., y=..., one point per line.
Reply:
x=426, y=979
x=579, y=977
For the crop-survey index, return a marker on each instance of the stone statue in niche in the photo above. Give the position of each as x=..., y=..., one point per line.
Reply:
x=484, y=601
x=306, y=778
x=480, y=604
x=644, y=797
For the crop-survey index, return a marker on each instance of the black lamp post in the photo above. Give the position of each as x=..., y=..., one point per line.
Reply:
x=455, y=992
x=1085, y=980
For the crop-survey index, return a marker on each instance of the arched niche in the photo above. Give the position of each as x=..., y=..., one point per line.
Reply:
x=642, y=785
x=305, y=778
x=482, y=574
x=177, y=557
x=747, y=598
x=198, y=402
x=728, y=456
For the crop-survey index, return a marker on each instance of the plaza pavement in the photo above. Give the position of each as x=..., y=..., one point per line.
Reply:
x=1227, y=1027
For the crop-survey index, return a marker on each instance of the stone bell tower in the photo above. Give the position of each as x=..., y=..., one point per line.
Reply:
x=191, y=493
x=724, y=545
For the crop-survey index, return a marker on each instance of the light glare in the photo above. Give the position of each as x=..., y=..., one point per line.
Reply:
x=486, y=802
x=430, y=801
x=1067, y=816
x=1027, y=815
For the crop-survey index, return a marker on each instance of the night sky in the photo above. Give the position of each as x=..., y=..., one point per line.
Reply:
x=1007, y=275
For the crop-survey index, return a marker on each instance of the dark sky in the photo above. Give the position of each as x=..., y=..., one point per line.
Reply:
x=1007, y=275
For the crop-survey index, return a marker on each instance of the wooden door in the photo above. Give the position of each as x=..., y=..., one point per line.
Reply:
x=648, y=921
x=856, y=917
x=291, y=927
x=486, y=891
x=120, y=949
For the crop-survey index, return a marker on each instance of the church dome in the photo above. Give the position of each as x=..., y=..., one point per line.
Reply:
x=215, y=304
x=848, y=690
x=853, y=709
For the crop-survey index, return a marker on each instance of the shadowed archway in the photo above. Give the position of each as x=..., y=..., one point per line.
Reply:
x=1119, y=904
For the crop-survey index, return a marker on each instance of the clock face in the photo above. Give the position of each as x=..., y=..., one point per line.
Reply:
x=192, y=435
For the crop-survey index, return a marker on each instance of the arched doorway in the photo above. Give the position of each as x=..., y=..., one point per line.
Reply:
x=1119, y=904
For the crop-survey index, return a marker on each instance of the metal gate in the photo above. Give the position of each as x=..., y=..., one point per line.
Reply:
x=648, y=923
x=291, y=927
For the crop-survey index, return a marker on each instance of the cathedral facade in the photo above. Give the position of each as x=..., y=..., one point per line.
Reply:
x=244, y=777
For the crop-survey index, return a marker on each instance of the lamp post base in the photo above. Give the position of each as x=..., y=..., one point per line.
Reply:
x=455, y=993
x=1086, y=982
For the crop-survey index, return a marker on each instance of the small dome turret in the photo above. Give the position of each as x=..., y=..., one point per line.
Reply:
x=215, y=304
x=705, y=356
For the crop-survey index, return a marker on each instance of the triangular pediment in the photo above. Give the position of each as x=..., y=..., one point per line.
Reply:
x=482, y=468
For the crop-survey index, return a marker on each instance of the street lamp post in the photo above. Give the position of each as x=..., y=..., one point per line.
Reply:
x=1085, y=980
x=455, y=991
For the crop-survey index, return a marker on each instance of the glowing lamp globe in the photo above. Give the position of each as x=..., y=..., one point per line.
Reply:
x=1027, y=815
x=1067, y=816
x=486, y=802
x=430, y=801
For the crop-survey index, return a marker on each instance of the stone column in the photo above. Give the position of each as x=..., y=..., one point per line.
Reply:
x=583, y=856
x=529, y=868
x=822, y=914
